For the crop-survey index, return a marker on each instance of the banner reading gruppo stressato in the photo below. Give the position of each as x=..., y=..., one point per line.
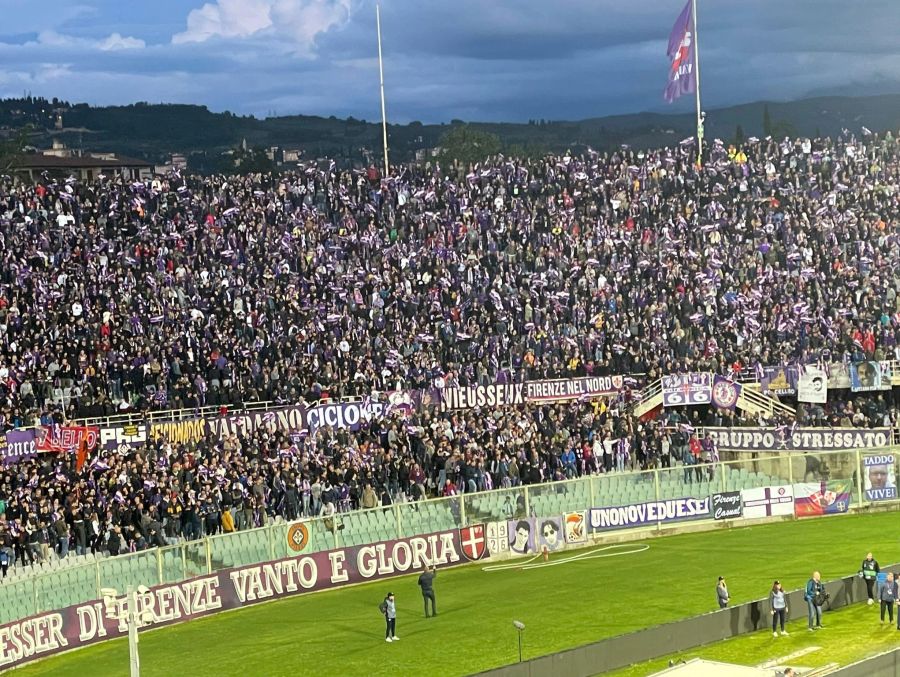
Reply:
x=83, y=624
x=668, y=510
x=801, y=439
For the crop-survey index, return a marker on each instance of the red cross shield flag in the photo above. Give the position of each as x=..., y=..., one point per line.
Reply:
x=473, y=541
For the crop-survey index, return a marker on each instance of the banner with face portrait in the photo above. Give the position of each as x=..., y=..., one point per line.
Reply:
x=812, y=385
x=868, y=376
x=521, y=535
x=549, y=533
x=880, y=477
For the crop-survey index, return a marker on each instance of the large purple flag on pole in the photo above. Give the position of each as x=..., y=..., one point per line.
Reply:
x=682, y=73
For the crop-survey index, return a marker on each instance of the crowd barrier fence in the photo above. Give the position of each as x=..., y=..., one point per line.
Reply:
x=77, y=583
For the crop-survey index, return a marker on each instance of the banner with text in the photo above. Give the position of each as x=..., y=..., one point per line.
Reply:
x=286, y=419
x=350, y=415
x=83, y=624
x=687, y=389
x=785, y=438
x=780, y=380
x=727, y=505
x=662, y=512
x=880, y=476
x=65, y=438
x=131, y=436
x=868, y=376
x=495, y=395
x=572, y=389
x=18, y=445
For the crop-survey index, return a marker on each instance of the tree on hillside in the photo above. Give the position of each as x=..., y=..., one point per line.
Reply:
x=467, y=145
x=782, y=129
x=739, y=135
x=767, y=121
x=11, y=149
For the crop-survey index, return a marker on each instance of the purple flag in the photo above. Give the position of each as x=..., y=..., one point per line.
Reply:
x=682, y=74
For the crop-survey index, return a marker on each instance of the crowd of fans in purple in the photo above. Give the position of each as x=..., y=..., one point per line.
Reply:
x=190, y=291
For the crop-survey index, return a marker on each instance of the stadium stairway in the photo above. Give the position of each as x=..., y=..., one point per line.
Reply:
x=750, y=400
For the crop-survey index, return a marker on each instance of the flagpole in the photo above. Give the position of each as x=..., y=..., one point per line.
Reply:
x=697, y=85
x=381, y=78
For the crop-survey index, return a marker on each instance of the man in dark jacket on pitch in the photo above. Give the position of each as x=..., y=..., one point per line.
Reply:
x=426, y=582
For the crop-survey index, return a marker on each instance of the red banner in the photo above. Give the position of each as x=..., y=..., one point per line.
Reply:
x=65, y=438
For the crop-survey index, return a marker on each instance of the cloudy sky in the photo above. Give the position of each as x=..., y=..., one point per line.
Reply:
x=488, y=60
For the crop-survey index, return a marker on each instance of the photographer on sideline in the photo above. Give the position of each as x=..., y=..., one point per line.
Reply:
x=815, y=597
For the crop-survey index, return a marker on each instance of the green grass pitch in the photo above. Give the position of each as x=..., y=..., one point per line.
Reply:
x=341, y=632
x=850, y=634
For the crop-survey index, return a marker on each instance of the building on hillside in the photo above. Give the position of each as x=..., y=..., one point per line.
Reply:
x=62, y=162
x=176, y=163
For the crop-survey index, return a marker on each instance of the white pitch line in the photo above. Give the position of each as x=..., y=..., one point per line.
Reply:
x=789, y=658
x=596, y=553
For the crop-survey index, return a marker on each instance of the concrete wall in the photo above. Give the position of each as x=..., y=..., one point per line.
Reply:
x=645, y=645
x=882, y=665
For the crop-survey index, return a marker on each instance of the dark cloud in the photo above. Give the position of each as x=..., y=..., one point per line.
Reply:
x=501, y=60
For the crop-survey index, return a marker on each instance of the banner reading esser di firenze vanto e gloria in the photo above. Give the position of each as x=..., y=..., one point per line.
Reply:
x=75, y=626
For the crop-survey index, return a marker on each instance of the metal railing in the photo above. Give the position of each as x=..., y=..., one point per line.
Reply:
x=172, y=415
x=212, y=411
x=75, y=583
x=747, y=375
x=766, y=403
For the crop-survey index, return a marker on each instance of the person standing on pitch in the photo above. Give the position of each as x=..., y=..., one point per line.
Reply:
x=426, y=582
x=778, y=602
x=815, y=598
x=722, y=592
x=887, y=594
x=389, y=609
x=869, y=570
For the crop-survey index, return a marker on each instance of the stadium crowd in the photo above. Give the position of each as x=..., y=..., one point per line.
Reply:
x=188, y=291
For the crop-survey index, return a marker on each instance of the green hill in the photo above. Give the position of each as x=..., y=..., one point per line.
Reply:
x=155, y=131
